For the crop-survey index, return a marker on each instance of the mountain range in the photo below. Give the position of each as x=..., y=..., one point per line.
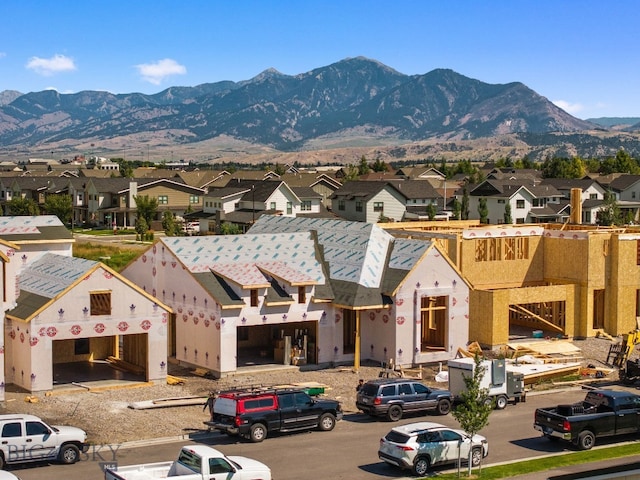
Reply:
x=357, y=98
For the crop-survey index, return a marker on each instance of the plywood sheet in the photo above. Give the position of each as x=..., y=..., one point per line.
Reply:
x=548, y=347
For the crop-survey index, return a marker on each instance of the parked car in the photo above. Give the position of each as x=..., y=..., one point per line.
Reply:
x=191, y=228
x=4, y=475
x=393, y=397
x=26, y=438
x=253, y=413
x=419, y=446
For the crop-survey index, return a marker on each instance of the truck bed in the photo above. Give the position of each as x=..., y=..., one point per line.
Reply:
x=149, y=471
x=566, y=421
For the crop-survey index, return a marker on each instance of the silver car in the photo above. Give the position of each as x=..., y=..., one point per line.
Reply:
x=419, y=446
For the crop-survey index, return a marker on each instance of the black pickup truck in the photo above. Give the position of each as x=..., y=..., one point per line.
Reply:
x=602, y=413
x=253, y=413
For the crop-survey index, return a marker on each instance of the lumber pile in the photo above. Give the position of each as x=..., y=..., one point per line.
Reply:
x=537, y=361
x=415, y=373
x=168, y=402
x=171, y=380
x=473, y=349
x=547, y=351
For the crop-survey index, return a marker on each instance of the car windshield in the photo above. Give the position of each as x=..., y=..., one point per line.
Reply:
x=397, y=437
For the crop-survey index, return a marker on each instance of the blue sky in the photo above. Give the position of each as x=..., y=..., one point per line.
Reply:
x=581, y=54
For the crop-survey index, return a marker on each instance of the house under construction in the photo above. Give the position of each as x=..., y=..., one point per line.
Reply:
x=559, y=280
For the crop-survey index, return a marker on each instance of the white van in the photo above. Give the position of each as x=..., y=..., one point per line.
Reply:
x=26, y=438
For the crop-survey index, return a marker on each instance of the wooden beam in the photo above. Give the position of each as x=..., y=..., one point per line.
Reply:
x=552, y=326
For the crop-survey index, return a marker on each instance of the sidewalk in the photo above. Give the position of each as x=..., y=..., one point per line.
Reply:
x=627, y=467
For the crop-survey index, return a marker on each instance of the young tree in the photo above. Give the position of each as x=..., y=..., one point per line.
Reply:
x=456, y=208
x=60, y=206
x=141, y=228
x=464, y=208
x=472, y=413
x=170, y=226
x=443, y=167
x=229, y=229
x=609, y=213
x=379, y=166
x=363, y=166
x=431, y=211
x=507, y=214
x=23, y=207
x=483, y=210
x=350, y=173
x=147, y=208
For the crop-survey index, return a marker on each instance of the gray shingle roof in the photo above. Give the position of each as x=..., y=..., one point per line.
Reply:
x=364, y=190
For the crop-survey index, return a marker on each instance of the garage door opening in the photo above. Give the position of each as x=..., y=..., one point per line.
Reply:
x=83, y=360
x=285, y=344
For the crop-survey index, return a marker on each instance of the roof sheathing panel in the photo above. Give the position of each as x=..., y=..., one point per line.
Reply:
x=20, y=225
x=244, y=274
x=51, y=274
x=406, y=253
x=355, y=251
x=291, y=254
x=285, y=272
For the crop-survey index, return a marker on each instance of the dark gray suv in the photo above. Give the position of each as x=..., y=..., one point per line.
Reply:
x=391, y=398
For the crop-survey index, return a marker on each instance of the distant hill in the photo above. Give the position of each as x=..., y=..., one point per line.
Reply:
x=8, y=96
x=335, y=113
x=354, y=102
x=612, y=122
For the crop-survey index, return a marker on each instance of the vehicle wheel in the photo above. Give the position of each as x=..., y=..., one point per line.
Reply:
x=476, y=457
x=488, y=401
x=258, y=433
x=444, y=407
x=395, y=413
x=2, y=462
x=327, y=422
x=69, y=454
x=421, y=466
x=501, y=402
x=586, y=440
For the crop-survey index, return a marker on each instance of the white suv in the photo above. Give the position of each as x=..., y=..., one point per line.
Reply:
x=26, y=438
x=419, y=446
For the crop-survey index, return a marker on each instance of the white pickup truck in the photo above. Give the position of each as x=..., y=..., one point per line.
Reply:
x=195, y=462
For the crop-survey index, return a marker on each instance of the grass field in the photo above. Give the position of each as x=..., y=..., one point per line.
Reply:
x=114, y=257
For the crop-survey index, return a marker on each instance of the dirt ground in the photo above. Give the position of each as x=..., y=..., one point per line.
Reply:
x=107, y=418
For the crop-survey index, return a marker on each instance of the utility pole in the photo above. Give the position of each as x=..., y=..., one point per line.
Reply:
x=253, y=204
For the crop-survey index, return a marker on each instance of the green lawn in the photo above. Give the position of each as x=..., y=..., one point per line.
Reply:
x=548, y=463
x=102, y=231
x=114, y=257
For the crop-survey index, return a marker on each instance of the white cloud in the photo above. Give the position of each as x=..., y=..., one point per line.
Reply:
x=568, y=107
x=156, y=72
x=50, y=66
x=56, y=89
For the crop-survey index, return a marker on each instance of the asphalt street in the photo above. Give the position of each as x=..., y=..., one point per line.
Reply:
x=348, y=452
